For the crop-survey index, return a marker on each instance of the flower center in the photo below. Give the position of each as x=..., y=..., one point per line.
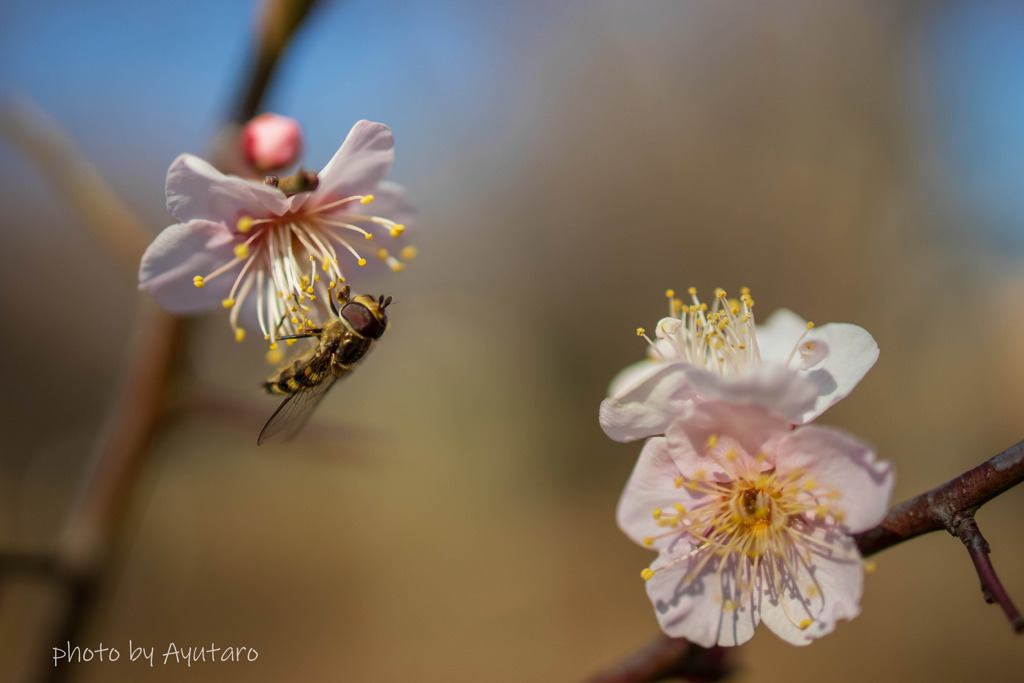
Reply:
x=278, y=259
x=720, y=337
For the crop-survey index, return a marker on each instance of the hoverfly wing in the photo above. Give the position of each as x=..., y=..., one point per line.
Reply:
x=295, y=411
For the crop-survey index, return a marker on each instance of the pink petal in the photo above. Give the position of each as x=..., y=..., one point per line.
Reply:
x=196, y=190
x=394, y=202
x=781, y=390
x=659, y=394
x=695, y=610
x=178, y=254
x=826, y=590
x=852, y=351
x=845, y=465
x=362, y=161
x=652, y=486
x=746, y=428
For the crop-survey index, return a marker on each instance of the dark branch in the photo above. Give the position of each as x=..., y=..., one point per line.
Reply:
x=991, y=587
x=950, y=506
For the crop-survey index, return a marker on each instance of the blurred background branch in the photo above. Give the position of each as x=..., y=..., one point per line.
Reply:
x=84, y=551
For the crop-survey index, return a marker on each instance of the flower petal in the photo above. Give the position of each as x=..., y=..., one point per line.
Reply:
x=178, y=254
x=778, y=335
x=395, y=202
x=843, y=466
x=362, y=161
x=659, y=394
x=707, y=610
x=781, y=390
x=748, y=428
x=823, y=588
x=850, y=352
x=197, y=190
x=652, y=486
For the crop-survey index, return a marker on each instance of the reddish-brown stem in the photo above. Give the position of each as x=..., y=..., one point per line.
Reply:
x=991, y=586
x=950, y=506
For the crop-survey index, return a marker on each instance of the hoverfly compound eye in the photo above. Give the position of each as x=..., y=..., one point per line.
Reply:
x=363, y=320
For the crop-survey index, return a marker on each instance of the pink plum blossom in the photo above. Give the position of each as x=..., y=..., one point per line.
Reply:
x=271, y=142
x=702, y=353
x=751, y=521
x=270, y=259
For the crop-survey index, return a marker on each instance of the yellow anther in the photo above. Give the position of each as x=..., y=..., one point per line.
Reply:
x=273, y=346
x=680, y=508
x=820, y=512
x=647, y=574
x=692, y=291
x=239, y=334
x=241, y=251
x=382, y=254
x=670, y=293
x=648, y=542
x=657, y=513
x=762, y=482
x=366, y=199
x=312, y=259
x=805, y=623
x=362, y=262
x=369, y=235
x=700, y=474
x=396, y=267
x=198, y=281
x=227, y=303
x=870, y=566
x=731, y=454
x=810, y=326
x=295, y=321
x=397, y=229
x=244, y=224
x=274, y=356
x=711, y=442
x=640, y=331
x=680, y=481
x=409, y=253
x=720, y=293
x=289, y=342
x=309, y=290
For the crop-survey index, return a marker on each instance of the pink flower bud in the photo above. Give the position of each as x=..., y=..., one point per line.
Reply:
x=271, y=142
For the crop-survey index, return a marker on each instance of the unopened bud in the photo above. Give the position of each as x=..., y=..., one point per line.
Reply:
x=271, y=142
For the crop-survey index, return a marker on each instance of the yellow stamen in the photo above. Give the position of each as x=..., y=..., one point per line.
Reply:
x=239, y=334
x=244, y=224
x=227, y=303
x=367, y=199
x=241, y=251
x=647, y=574
x=198, y=281
x=408, y=253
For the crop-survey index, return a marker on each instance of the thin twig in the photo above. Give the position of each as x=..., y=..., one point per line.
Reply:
x=991, y=586
x=950, y=506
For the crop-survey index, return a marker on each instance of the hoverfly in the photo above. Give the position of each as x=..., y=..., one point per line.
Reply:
x=342, y=343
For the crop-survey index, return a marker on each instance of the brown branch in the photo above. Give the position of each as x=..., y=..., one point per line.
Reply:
x=280, y=20
x=950, y=506
x=991, y=586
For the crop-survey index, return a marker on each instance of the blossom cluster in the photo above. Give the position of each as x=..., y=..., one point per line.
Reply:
x=749, y=508
x=271, y=253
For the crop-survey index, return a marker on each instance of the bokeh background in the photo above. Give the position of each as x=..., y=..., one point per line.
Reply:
x=449, y=515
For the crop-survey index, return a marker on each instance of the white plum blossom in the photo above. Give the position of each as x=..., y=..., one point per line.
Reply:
x=703, y=352
x=273, y=260
x=751, y=521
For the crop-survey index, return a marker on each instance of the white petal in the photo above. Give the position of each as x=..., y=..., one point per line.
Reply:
x=852, y=351
x=197, y=190
x=178, y=254
x=362, y=161
x=780, y=390
x=699, y=610
x=778, y=335
x=844, y=465
x=824, y=588
x=661, y=395
x=652, y=486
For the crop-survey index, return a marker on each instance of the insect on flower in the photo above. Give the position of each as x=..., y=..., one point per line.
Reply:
x=342, y=343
